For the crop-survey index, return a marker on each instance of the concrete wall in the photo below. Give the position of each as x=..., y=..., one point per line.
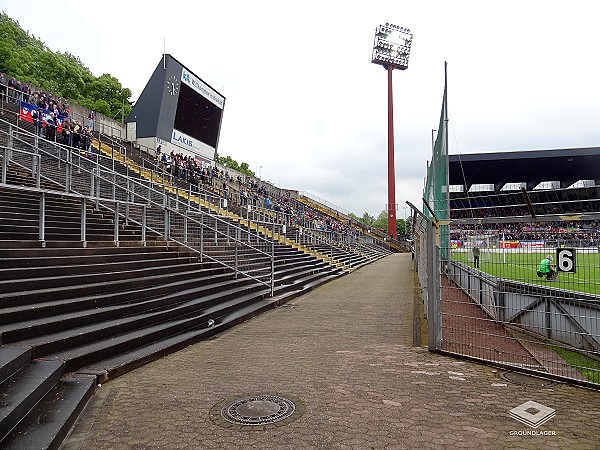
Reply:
x=102, y=123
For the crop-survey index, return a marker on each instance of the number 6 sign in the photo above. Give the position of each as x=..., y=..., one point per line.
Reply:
x=565, y=259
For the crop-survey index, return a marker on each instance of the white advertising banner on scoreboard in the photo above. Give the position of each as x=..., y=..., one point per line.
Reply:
x=202, y=88
x=192, y=145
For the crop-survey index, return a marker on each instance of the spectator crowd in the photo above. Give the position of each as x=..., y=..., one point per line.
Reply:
x=56, y=124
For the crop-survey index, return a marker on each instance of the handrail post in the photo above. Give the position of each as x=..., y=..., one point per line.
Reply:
x=167, y=223
x=236, y=258
x=10, y=135
x=83, y=221
x=68, y=171
x=273, y=267
x=42, y=219
x=116, y=228
x=4, y=164
x=98, y=180
x=144, y=223
x=216, y=230
x=201, y=237
x=38, y=174
x=185, y=227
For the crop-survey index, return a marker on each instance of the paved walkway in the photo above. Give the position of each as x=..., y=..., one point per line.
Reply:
x=343, y=353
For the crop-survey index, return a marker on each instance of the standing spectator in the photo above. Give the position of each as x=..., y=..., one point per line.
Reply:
x=476, y=253
x=18, y=91
x=225, y=190
x=91, y=121
x=26, y=92
x=37, y=116
x=66, y=132
x=87, y=145
x=11, y=89
x=50, y=127
x=3, y=87
x=76, y=136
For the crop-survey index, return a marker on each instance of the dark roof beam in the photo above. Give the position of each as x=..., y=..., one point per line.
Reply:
x=566, y=183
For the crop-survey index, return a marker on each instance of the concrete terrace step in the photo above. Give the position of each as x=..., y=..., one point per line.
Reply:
x=127, y=361
x=119, y=252
x=49, y=422
x=44, y=261
x=24, y=389
x=189, y=303
x=47, y=308
x=95, y=284
x=103, y=274
x=87, y=269
x=13, y=359
x=87, y=354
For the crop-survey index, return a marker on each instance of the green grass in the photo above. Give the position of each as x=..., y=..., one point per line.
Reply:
x=588, y=367
x=521, y=265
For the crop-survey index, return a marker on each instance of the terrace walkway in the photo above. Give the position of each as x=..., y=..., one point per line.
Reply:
x=343, y=354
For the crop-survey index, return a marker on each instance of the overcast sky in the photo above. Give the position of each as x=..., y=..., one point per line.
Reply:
x=305, y=102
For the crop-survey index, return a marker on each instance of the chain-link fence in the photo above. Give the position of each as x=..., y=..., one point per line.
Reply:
x=517, y=294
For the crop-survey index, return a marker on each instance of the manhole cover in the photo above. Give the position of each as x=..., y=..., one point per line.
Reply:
x=256, y=410
x=526, y=380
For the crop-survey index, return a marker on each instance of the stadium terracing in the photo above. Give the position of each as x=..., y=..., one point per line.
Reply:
x=110, y=258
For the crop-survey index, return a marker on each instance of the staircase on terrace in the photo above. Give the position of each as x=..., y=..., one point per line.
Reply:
x=103, y=270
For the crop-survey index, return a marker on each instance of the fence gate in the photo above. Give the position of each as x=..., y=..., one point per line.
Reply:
x=518, y=295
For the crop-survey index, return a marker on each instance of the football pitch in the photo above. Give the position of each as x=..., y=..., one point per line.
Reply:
x=522, y=265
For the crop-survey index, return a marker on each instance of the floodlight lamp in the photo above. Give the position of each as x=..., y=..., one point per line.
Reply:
x=392, y=46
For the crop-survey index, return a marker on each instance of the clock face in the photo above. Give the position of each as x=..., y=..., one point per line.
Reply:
x=172, y=85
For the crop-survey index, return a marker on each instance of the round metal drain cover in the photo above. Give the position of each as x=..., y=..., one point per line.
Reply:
x=256, y=410
x=526, y=380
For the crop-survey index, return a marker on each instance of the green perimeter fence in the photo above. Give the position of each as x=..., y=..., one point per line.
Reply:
x=486, y=300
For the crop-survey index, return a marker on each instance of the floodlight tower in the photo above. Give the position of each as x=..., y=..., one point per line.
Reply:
x=391, y=50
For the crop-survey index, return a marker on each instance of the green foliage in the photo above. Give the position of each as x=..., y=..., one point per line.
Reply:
x=228, y=161
x=366, y=218
x=381, y=223
x=402, y=227
x=26, y=58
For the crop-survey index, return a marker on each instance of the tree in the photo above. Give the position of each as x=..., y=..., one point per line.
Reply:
x=403, y=227
x=381, y=223
x=228, y=161
x=62, y=74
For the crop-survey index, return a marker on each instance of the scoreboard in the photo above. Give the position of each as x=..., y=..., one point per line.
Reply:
x=178, y=111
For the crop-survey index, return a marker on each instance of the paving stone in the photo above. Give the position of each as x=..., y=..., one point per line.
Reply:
x=345, y=351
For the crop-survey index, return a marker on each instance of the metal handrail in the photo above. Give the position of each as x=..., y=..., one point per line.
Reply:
x=122, y=187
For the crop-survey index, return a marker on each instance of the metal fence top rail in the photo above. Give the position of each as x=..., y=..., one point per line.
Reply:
x=66, y=194
x=127, y=181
